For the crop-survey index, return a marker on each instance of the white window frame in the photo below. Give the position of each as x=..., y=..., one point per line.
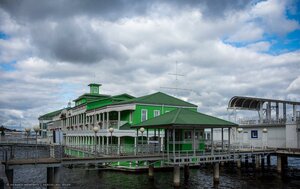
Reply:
x=155, y=114
x=144, y=110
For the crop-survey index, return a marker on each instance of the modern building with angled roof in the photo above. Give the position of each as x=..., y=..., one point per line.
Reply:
x=275, y=123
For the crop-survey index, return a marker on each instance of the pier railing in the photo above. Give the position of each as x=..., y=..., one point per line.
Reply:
x=119, y=150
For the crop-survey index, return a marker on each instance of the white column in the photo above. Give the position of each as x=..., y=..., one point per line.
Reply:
x=107, y=143
x=212, y=140
x=119, y=144
x=228, y=139
x=119, y=118
x=107, y=120
x=135, y=145
x=194, y=141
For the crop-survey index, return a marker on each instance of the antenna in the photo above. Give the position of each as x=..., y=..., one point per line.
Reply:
x=94, y=77
x=176, y=88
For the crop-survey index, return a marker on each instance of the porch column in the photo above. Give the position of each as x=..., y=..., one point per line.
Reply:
x=103, y=121
x=107, y=119
x=119, y=142
x=107, y=143
x=194, y=146
x=174, y=144
x=222, y=138
x=228, y=139
x=147, y=136
x=119, y=118
x=212, y=140
x=135, y=145
x=168, y=143
x=159, y=141
x=103, y=144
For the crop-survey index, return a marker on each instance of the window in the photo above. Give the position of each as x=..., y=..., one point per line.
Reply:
x=144, y=115
x=254, y=134
x=187, y=135
x=156, y=113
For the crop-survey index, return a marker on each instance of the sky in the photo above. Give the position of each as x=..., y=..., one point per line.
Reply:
x=51, y=50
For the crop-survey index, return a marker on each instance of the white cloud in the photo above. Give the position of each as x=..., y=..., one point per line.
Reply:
x=259, y=46
x=140, y=51
x=273, y=18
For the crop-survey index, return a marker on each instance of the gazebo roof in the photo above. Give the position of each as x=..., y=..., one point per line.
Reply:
x=184, y=118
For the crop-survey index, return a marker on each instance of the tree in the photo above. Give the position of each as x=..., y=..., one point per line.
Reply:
x=2, y=129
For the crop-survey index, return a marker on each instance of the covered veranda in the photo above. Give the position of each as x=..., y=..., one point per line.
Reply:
x=184, y=135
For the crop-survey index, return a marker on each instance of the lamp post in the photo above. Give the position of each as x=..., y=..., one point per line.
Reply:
x=27, y=130
x=240, y=130
x=95, y=129
x=36, y=130
x=111, y=130
x=142, y=129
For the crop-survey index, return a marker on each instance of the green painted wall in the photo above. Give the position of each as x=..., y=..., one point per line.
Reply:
x=125, y=115
x=137, y=114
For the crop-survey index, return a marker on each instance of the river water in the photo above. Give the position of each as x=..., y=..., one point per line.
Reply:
x=200, y=177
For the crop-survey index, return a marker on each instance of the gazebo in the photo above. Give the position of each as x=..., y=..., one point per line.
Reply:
x=184, y=132
x=184, y=139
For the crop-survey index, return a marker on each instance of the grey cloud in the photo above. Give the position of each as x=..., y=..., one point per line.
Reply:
x=71, y=41
x=32, y=10
x=39, y=10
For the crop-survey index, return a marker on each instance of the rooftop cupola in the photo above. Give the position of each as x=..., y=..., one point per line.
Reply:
x=94, y=88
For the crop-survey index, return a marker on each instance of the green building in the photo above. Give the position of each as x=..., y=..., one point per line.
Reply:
x=74, y=126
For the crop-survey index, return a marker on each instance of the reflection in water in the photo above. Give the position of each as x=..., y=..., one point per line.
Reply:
x=230, y=177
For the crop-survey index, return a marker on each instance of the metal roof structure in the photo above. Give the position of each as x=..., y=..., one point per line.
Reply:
x=254, y=103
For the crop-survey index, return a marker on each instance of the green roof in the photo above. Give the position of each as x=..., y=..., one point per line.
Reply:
x=185, y=118
x=91, y=97
x=94, y=84
x=50, y=115
x=158, y=98
x=123, y=96
x=98, y=103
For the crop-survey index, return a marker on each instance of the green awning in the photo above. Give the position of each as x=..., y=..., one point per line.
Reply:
x=185, y=118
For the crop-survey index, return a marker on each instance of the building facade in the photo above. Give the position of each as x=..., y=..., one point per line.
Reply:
x=276, y=124
x=74, y=126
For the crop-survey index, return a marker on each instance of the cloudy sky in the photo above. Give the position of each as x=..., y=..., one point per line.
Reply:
x=51, y=50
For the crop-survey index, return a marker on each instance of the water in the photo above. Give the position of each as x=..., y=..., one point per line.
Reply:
x=230, y=177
